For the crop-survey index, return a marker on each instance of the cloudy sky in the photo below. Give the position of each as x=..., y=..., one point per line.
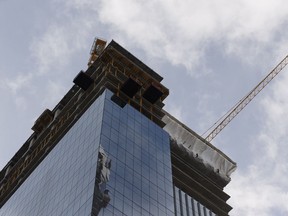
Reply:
x=210, y=53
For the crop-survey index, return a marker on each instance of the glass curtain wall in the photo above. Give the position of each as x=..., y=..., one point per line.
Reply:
x=186, y=205
x=113, y=161
x=134, y=165
x=63, y=183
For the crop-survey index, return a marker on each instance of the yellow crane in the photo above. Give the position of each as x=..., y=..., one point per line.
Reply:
x=97, y=47
x=234, y=111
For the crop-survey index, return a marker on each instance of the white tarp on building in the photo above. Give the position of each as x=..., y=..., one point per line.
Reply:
x=206, y=152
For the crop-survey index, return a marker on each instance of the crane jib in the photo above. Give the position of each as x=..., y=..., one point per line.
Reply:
x=245, y=100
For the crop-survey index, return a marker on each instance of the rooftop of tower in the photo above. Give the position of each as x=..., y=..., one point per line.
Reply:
x=133, y=83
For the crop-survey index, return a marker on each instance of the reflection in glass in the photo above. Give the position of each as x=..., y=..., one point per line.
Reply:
x=101, y=194
x=187, y=205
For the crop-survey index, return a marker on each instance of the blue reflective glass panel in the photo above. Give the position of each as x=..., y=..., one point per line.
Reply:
x=63, y=183
x=139, y=178
x=187, y=205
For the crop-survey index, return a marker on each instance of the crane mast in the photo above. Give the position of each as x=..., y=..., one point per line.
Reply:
x=245, y=100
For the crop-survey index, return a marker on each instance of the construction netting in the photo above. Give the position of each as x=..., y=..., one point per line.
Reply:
x=207, y=153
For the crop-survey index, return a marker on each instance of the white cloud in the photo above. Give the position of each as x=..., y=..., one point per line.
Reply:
x=181, y=31
x=58, y=44
x=17, y=83
x=50, y=52
x=263, y=188
x=255, y=194
x=50, y=48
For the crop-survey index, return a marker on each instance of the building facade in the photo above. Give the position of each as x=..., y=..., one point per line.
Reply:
x=109, y=148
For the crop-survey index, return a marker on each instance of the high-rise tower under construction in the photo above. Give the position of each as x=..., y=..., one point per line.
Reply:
x=109, y=148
